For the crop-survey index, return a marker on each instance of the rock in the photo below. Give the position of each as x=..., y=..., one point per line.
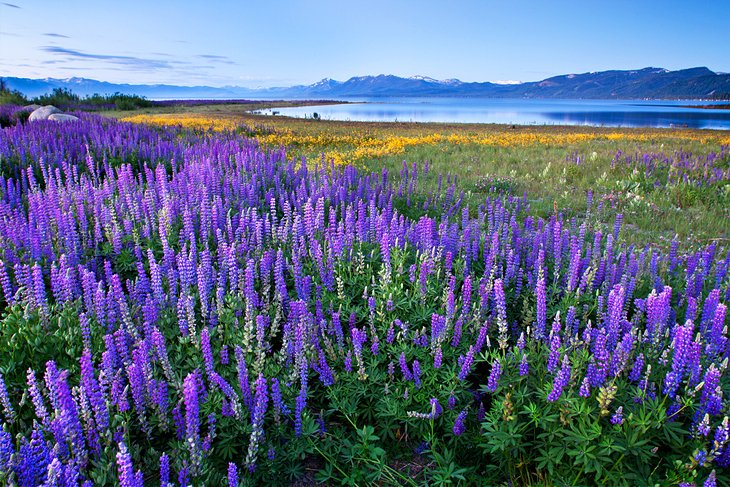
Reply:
x=62, y=117
x=43, y=113
x=31, y=108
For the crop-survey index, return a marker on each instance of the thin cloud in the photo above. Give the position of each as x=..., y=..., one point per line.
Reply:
x=128, y=61
x=11, y=5
x=53, y=34
x=215, y=58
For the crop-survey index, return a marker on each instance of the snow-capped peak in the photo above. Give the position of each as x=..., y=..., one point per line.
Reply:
x=450, y=82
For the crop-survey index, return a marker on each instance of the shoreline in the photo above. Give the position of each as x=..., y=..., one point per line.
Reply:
x=243, y=110
x=725, y=106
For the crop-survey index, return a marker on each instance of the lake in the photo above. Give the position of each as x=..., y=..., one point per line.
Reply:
x=609, y=113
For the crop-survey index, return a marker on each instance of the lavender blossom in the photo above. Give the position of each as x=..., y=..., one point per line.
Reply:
x=494, y=375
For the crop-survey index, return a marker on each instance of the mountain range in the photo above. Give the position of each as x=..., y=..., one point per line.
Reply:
x=647, y=83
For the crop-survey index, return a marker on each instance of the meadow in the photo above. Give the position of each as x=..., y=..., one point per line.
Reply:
x=199, y=296
x=657, y=178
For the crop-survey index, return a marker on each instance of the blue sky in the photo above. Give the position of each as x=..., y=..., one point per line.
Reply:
x=283, y=42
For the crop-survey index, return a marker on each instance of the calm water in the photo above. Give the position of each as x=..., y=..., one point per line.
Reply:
x=610, y=113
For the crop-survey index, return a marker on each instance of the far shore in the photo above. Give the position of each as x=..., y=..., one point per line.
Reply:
x=709, y=107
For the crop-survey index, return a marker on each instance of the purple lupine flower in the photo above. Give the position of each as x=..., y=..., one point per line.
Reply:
x=85, y=330
x=243, y=378
x=300, y=404
x=276, y=398
x=501, y=305
x=691, y=312
x=521, y=341
x=359, y=337
x=405, y=370
x=183, y=476
x=618, y=416
x=450, y=304
x=616, y=298
x=227, y=391
x=138, y=386
x=39, y=290
x=574, y=264
x=323, y=369
x=456, y=339
x=703, y=428
x=637, y=369
x=494, y=375
x=164, y=470
x=261, y=400
x=6, y=285
x=436, y=409
x=69, y=417
x=438, y=358
x=390, y=335
x=481, y=338
x=466, y=364
x=722, y=434
x=598, y=368
x=700, y=457
x=348, y=362
x=32, y=460
x=561, y=380
x=711, y=399
x=481, y=412
x=681, y=346
x=125, y=468
x=451, y=403
x=6, y=452
x=5, y=401
x=93, y=391
x=158, y=340
x=524, y=366
x=717, y=340
x=541, y=308
x=711, y=480
x=658, y=309
x=232, y=475
x=554, y=354
x=621, y=355
x=459, y=426
x=192, y=410
x=417, y=374
x=438, y=326
x=371, y=304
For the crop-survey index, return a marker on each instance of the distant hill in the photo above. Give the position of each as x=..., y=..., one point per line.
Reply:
x=647, y=83
x=84, y=86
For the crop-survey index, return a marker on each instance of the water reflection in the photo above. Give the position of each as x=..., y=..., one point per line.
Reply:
x=611, y=113
x=687, y=119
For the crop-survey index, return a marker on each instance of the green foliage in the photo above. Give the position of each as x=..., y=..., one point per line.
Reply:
x=59, y=97
x=67, y=100
x=10, y=97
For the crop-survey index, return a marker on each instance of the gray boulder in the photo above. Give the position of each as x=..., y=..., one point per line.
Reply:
x=30, y=108
x=62, y=117
x=43, y=113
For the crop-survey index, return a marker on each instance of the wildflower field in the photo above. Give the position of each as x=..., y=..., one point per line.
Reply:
x=195, y=303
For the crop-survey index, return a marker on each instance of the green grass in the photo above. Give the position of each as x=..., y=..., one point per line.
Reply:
x=651, y=215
